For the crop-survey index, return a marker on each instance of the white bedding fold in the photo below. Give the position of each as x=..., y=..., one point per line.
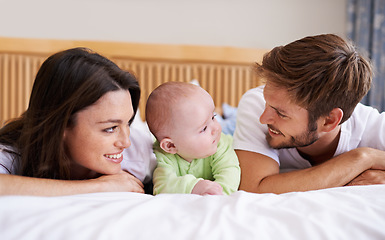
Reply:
x=337, y=213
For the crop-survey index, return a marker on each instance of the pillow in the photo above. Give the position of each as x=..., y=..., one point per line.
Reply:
x=228, y=118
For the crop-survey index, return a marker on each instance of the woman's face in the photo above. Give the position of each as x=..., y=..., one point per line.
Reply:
x=100, y=134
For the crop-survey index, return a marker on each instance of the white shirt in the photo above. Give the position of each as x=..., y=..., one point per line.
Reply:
x=365, y=128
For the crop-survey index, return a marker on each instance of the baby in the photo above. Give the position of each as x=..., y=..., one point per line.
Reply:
x=193, y=155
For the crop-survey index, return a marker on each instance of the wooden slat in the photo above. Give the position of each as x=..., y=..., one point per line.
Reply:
x=180, y=53
x=224, y=72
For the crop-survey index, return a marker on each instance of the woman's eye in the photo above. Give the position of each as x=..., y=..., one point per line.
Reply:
x=110, y=130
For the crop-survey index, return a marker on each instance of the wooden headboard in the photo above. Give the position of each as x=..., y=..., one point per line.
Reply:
x=225, y=72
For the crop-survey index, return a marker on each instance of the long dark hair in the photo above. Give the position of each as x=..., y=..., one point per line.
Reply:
x=66, y=83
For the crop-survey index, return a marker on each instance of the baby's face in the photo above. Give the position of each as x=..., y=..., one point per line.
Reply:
x=196, y=132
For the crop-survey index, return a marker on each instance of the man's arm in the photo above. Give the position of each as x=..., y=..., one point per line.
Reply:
x=369, y=177
x=260, y=174
x=19, y=185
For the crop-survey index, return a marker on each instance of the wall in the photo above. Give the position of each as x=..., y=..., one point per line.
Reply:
x=238, y=23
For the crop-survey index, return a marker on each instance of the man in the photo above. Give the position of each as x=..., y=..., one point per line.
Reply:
x=305, y=128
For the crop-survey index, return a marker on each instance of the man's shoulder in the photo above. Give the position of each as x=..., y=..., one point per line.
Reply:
x=364, y=115
x=254, y=99
x=257, y=91
x=363, y=129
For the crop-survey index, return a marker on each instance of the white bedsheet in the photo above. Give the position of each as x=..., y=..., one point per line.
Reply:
x=337, y=213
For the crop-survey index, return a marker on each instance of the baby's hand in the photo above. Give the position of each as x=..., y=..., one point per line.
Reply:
x=207, y=187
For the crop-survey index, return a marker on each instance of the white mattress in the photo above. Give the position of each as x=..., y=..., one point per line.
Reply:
x=338, y=213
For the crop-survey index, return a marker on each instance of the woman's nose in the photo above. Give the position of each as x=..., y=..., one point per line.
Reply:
x=124, y=139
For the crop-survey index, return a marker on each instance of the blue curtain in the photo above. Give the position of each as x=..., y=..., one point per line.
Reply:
x=366, y=27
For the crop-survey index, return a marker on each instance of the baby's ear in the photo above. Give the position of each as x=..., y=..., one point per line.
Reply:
x=168, y=145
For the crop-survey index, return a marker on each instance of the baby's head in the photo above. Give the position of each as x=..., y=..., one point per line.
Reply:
x=181, y=117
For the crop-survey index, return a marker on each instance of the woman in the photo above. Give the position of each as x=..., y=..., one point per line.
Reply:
x=71, y=138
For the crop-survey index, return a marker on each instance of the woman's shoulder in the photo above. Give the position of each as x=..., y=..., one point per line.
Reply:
x=139, y=159
x=8, y=149
x=8, y=156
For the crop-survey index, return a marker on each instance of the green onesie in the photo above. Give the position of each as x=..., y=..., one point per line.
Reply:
x=176, y=175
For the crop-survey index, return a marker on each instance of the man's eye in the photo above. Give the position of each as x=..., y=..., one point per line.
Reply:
x=281, y=115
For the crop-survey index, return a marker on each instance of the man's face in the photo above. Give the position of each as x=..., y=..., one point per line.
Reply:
x=288, y=123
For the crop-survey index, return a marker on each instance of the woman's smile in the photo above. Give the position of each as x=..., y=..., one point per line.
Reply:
x=116, y=158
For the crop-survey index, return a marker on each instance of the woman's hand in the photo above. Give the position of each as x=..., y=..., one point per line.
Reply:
x=121, y=182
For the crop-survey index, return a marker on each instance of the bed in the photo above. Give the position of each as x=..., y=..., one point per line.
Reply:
x=225, y=72
x=337, y=213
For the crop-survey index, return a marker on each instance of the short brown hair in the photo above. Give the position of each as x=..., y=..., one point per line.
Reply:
x=320, y=73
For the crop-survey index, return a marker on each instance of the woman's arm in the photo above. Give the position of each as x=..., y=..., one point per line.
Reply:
x=19, y=185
